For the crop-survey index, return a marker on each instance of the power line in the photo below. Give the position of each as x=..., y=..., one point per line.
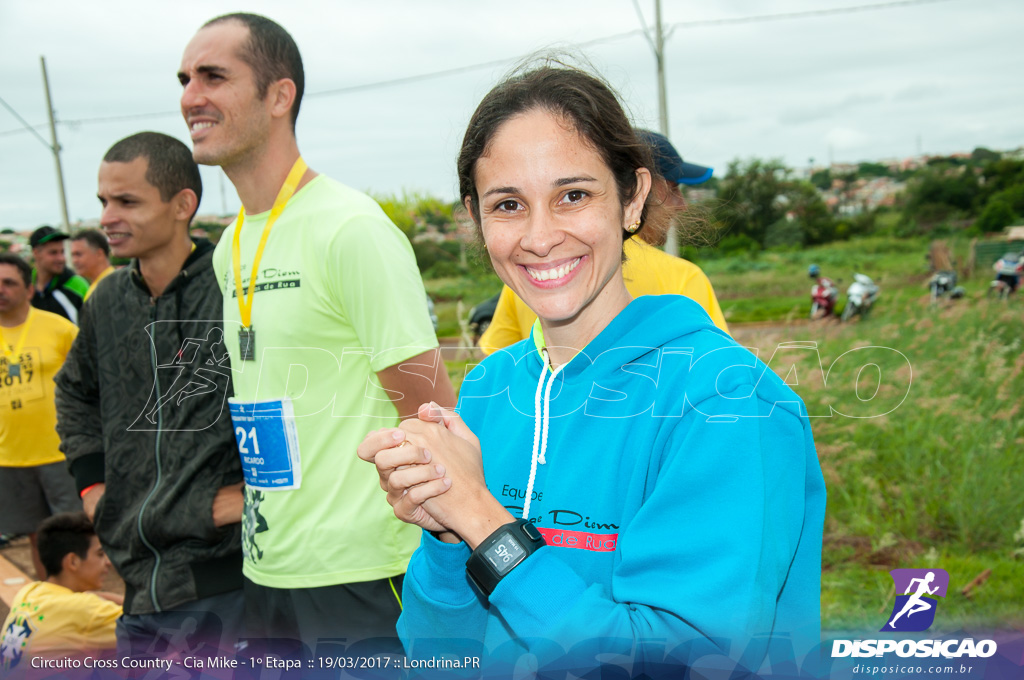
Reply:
x=382, y=84
x=25, y=123
x=804, y=14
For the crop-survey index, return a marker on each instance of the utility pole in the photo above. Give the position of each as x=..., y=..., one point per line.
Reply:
x=223, y=196
x=672, y=237
x=55, y=147
x=659, y=54
x=657, y=43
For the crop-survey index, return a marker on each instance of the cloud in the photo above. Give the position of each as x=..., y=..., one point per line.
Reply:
x=706, y=119
x=843, y=138
x=806, y=114
x=917, y=92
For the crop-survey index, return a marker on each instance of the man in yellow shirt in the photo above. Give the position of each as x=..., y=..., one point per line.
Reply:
x=90, y=255
x=33, y=345
x=61, y=615
x=648, y=270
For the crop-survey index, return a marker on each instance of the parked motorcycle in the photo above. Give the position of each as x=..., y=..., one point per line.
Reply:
x=480, y=317
x=1009, y=269
x=823, y=298
x=860, y=296
x=944, y=283
x=824, y=294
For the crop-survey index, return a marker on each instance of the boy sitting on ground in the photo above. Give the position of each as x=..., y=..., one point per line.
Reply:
x=62, y=615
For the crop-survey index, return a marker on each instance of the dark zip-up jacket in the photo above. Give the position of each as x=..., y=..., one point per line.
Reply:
x=142, y=407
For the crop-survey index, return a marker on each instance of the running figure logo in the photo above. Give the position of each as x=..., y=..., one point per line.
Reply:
x=914, y=610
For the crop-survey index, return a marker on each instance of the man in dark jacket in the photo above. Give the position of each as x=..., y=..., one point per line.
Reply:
x=142, y=412
x=57, y=288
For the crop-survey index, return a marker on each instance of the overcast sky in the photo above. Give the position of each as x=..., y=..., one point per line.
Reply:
x=939, y=77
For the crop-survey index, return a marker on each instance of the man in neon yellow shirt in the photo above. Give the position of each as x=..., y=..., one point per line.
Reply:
x=33, y=347
x=323, y=307
x=63, y=615
x=90, y=255
x=647, y=270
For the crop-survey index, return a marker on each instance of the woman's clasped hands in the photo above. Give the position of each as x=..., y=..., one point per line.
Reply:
x=432, y=471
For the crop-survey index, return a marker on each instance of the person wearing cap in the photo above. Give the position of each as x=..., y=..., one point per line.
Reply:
x=648, y=270
x=57, y=288
x=673, y=174
x=90, y=253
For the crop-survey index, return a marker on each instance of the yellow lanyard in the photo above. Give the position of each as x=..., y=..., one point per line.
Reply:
x=21, y=341
x=287, y=190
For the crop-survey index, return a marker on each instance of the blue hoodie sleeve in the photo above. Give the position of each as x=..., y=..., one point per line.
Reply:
x=441, y=611
x=707, y=556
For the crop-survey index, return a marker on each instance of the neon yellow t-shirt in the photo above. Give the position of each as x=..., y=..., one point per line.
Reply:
x=49, y=619
x=28, y=415
x=647, y=271
x=338, y=298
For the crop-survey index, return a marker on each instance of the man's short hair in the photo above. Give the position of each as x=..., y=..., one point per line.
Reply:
x=95, y=239
x=171, y=167
x=20, y=264
x=67, y=532
x=271, y=53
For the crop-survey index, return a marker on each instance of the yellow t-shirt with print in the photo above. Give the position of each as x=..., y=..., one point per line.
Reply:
x=49, y=619
x=28, y=414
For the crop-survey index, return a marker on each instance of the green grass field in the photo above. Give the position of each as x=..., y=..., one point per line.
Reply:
x=925, y=466
x=938, y=480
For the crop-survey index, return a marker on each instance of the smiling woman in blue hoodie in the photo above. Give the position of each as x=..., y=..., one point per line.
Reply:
x=625, y=486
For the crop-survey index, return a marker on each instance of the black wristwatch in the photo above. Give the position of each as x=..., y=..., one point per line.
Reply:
x=501, y=552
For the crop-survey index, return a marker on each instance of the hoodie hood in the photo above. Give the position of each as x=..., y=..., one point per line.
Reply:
x=197, y=261
x=647, y=323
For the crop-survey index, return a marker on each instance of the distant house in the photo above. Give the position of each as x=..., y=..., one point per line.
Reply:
x=430, y=234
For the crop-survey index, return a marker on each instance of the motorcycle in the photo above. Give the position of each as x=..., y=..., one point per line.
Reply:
x=823, y=298
x=860, y=296
x=944, y=283
x=1009, y=269
x=480, y=317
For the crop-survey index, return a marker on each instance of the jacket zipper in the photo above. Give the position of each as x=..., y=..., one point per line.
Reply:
x=156, y=454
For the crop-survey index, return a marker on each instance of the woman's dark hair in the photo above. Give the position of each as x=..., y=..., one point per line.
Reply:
x=583, y=100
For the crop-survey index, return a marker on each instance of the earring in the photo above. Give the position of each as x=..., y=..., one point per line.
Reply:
x=633, y=227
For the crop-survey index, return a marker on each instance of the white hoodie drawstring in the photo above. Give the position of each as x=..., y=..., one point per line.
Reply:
x=541, y=415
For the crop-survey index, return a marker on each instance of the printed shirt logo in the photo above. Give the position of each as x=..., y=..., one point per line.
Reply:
x=564, y=528
x=914, y=610
x=253, y=522
x=14, y=642
x=269, y=279
x=23, y=383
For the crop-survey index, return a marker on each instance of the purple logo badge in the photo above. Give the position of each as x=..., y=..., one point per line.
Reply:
x=916, y=590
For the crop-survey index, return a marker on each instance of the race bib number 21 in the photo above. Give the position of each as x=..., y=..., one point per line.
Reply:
x=268, y=443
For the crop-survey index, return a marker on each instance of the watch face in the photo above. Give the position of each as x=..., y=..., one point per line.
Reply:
x=505, y=554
